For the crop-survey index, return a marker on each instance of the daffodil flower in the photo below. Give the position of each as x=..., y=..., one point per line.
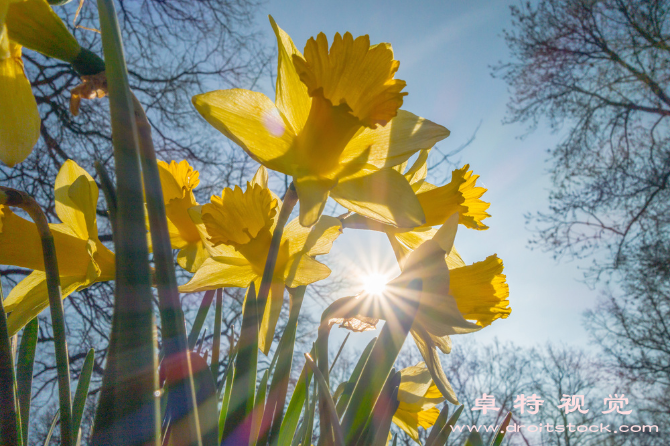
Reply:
x=20, y=123
x=33, y=24
x=335, y=127
x=82, y=258
x=455, y=298
x=461, y=195
x=418, y=396
x=236, y=229
x=178, y=181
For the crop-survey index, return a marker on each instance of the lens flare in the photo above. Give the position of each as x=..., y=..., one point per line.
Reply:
x=375, y=284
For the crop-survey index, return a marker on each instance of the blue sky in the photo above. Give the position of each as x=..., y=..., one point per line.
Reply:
x=445, y=49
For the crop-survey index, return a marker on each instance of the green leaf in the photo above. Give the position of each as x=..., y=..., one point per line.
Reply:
x=443, y=436
x=24, y=373
x=474, y=439
x=353, y=379
x=502, y=429
x=10, y=425
x=379, y=424
x=290, y=421
x=333, y=423
x=216, y=342
x=200, y=318
x=403, y=308
x=274, y=409
x=129, y=382
x=82, y=391
x=259, y=406
x=54, y=422
x=237, y=427
x=230, y=374
x=310, y=409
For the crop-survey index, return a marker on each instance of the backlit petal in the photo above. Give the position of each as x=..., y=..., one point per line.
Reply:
x=313, y=194
x=291, y=97
x=396, y=142
x=314, y=241
x=76, y=200
x=220, y=272
x=29, y=297
x=383, y=195
x=303, y=270
x=20, y=123
x=271, y=315
x=429, y=353
x=253, y=122
x=20, y=245
x=192, y=256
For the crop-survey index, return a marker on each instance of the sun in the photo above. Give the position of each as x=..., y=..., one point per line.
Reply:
x=375, y=283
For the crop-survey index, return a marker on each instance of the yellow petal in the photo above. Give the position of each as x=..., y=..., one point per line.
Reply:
x=395, y=142
x=236, y=217
x=20, y=245
x=429, y=353
x=481, y=291
x=178, y=181
x=253, y=122
x=408, y=422
x=192, y=256
x=414, y=383
x=313, y=194
x=314, y=241
x=460, y=195
x=220, y=272
x=20, y=123
x=303, y=270
x=76, y=199
x=427, y=418
x=29, y=297
x=271, y=315
x=353, y=73
x=261, y=177
x=383, y=195
x=442, y=342
x=292, y=98
x=35, y=25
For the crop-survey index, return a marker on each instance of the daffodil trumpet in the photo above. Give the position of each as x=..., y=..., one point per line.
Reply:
x=11, y=197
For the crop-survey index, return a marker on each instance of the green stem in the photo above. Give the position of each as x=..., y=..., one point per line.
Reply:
x=24, y=372
x=28, y=204
x=274, y=409
x=289, y=202
x=175, y=343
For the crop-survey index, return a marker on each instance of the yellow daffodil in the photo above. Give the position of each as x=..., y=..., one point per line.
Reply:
x=456, y=298
x=236, y=229
x=34, y=24
x=461, y=196
x=82, y=258
x=418, y=395
x=335, y=127
x=178, y=181
x=20, y=123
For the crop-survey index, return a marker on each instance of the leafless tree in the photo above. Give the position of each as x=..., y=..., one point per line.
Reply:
x=598, y=72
